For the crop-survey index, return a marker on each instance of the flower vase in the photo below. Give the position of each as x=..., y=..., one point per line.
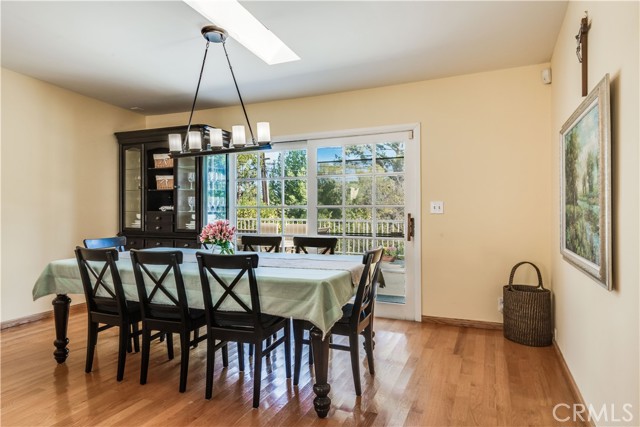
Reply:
x=222, y=249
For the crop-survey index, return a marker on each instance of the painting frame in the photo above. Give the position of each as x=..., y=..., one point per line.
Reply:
x=585, y=186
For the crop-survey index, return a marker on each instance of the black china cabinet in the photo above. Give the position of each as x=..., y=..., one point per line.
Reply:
x=164, y=200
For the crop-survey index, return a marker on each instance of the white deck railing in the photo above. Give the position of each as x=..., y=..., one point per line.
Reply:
x=356, y=237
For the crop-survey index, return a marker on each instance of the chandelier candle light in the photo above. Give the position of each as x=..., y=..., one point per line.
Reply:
x=191, y=146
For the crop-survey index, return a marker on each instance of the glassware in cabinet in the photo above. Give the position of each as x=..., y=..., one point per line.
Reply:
x=187, y=188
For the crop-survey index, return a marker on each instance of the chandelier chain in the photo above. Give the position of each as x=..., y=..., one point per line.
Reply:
x=244, y=110
x=195, y=98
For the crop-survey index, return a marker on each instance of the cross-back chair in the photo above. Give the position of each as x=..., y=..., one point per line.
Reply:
x=106, y=303
x=164, y=307
x=357, y=319
x=118, y=242
x=232, y=315
x=255, y=243
x=323, y=245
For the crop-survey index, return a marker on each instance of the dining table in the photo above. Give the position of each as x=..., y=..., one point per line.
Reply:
x=309, y=287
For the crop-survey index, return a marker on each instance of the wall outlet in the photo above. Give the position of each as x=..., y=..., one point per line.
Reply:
x=436, y=207
x=500, y=304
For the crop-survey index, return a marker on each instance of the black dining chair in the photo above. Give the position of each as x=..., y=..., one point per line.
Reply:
x=256, y=243
x=356, y=320
x=118, y=242
x=106, y=303
x=323, y=245
x=221, y=277
x=164, y=307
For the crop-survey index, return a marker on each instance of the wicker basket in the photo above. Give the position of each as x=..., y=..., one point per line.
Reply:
x=164, y=182
x=162, y=161
x=527, y=311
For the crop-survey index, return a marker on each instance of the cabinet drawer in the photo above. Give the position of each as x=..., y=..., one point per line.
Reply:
x=160, y=217
x=134, y=243
x=159, y=227
x=183, y=243
x=159, y=222
x=158, y=243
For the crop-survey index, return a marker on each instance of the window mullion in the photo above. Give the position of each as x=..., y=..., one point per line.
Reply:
x=312, y=189
x=233, y=188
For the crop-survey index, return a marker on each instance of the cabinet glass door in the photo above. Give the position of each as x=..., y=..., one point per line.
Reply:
x=132, y=194
x=215, y=185
x=187, y=202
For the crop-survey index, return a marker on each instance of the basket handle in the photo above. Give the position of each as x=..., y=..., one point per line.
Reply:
x=515, y=267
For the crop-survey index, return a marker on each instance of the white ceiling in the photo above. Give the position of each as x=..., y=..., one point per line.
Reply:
x=147, y=54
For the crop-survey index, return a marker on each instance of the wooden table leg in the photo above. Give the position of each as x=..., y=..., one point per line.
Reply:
x=61, y=317
x=321, y=388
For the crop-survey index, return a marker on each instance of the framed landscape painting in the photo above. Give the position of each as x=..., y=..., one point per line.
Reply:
x=585, y=186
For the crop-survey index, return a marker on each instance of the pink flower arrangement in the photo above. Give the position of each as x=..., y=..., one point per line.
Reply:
x=219, y=233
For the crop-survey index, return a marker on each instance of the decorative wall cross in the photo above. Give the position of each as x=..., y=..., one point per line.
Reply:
x=582, y=49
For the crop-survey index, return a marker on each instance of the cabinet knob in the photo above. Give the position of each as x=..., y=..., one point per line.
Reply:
x=186, y=245
x=157, y=243
x=158, y=227
x=157, y=218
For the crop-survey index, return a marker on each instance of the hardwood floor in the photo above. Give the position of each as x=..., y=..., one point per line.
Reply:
x=426, y=375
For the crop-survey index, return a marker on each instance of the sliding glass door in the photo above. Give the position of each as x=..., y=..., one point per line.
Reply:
x=359, y=189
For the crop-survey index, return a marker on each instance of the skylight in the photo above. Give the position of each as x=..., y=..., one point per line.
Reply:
x=246, y=29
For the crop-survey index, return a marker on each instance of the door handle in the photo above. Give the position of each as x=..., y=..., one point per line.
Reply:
x=411, y=227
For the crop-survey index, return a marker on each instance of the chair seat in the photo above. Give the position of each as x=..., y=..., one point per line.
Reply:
x=347, y=311
x=246, y=322
x=194, y=314
x=132, y=307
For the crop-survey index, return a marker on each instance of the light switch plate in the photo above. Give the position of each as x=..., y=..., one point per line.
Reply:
x=437, y=207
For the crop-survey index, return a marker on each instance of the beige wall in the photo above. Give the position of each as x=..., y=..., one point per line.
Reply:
x=598, y=330
x=59, y=181
x=484, y=153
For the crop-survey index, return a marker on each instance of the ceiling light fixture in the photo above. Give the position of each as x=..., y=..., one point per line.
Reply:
x=191, y=146
x=245, y=29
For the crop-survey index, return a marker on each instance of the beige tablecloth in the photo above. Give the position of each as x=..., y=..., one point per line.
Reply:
x=307, y=287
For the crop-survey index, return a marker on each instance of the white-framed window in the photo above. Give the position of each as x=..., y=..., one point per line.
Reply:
x=358, y=188
x=351, y=188
x=269, y=190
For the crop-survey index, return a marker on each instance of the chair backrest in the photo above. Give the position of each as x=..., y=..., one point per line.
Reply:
x=267, y=243
x=324, y=245
x=217, y=308
x=364, y=302
x=160, y=286
x=118, y=242
x=101, y=281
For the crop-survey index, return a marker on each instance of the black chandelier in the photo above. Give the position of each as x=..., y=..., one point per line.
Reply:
x=191, y=145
